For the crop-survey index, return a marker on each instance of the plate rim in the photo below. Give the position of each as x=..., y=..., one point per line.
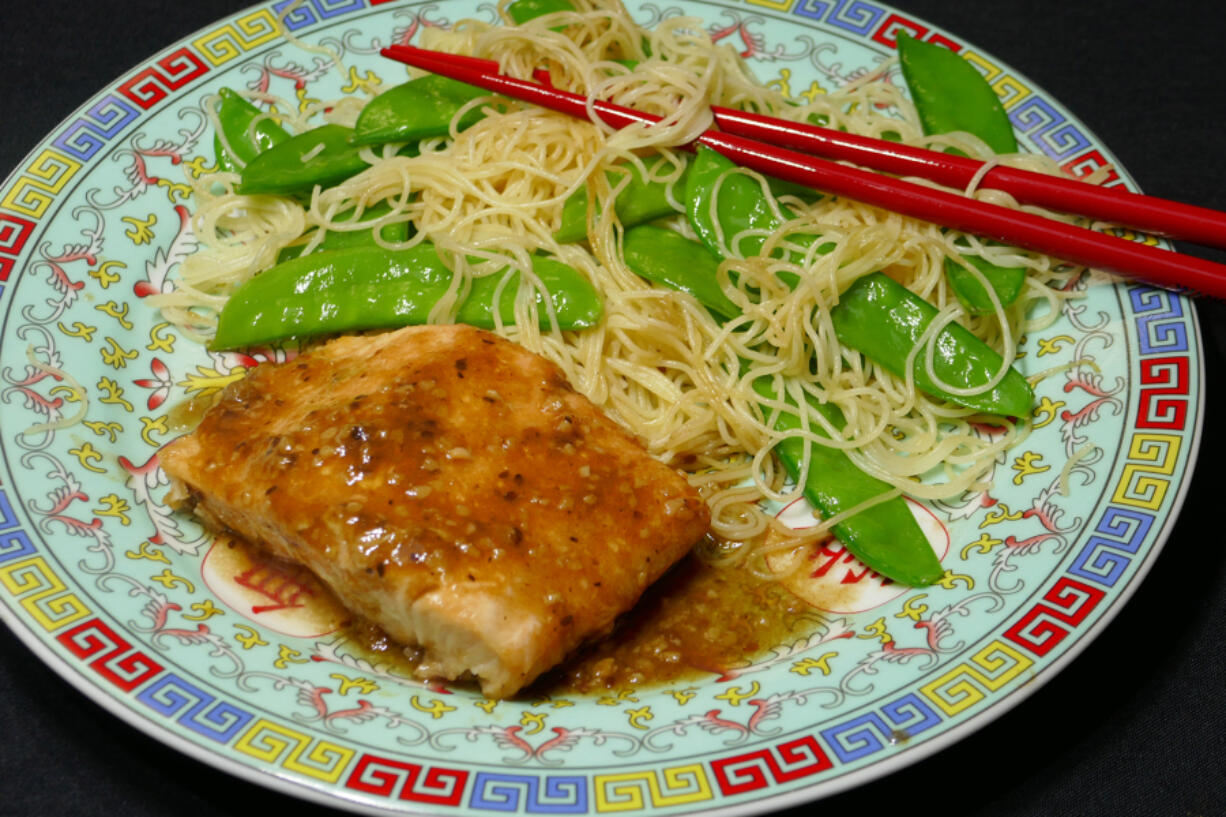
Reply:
x=329, y=794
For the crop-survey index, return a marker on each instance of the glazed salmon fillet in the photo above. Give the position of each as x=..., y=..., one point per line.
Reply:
x=449, y=486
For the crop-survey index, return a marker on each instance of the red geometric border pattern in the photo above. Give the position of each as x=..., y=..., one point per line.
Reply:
x=14, y=230
x=887, y=33
x=112, y=656
x=423, y=784
x=1163, y=402
x=150, y=86
x=784, y=762
x=1087, y=163
x=1063, y=608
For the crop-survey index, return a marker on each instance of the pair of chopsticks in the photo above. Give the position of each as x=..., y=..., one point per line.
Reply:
x=774, y=147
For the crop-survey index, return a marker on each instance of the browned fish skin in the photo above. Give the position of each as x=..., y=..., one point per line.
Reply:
x=448, y=485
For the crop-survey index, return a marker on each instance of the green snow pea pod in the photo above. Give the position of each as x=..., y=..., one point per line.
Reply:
x=418, y=109
x=372, y=288
x=962, y=360
x=740, y=204
x=950, y=95
x=666, y=257
x=643, y=199
x=320, y=156
x=886, y=536
x=247, y=131
x=884, y=320
x=575, y=300
x=343, y=239
x=574, y=218
x=1006, y=281
x=522, y=11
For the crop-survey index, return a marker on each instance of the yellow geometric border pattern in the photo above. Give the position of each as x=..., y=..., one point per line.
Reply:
x=37, y=185
x=238, y=37
x=967, y=684
x=1151, y=457
x=294, y=751
x=41, y=592
x=632, y=791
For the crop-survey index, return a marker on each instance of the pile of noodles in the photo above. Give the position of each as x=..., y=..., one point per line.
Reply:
x=658, y=363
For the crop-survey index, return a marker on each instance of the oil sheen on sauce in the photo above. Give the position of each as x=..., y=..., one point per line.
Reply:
x=698, y=622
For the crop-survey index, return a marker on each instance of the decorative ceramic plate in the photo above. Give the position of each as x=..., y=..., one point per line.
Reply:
x=233, y=662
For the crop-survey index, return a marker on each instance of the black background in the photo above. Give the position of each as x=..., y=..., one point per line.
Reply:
x=1134, y=726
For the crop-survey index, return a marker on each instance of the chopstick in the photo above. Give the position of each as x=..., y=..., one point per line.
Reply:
x=1015, y=227
x=1164, y=217
x=1157, y=216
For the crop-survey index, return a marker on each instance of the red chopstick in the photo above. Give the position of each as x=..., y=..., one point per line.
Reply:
x=1164, y=217
x=1070, y=243
x=1171, y=219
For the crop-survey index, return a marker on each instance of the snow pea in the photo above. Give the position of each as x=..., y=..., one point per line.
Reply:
x=666, y=257
x=418, y=109
x=886, y=537
x=961, y=357
x=740, y=205
x=521, y=11
x=343, y=239
x=643, y=199
x=950, y=95
x=322, y=156
x=246, y=130
x=372, y=288
x=1006, y=281
x=884, y=320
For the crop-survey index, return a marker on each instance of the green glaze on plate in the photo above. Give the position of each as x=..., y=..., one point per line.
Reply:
x=224, y=661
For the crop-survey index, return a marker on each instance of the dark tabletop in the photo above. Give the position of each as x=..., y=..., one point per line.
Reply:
x=1134, y=726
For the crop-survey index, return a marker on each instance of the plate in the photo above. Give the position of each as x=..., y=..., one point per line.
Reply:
x=121, y=599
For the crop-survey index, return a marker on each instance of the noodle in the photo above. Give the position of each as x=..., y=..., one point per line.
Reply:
x=492, y=194
x=71, y=384
x=1080, y=454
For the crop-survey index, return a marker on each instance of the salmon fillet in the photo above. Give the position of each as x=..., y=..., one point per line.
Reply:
x=448, y=485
